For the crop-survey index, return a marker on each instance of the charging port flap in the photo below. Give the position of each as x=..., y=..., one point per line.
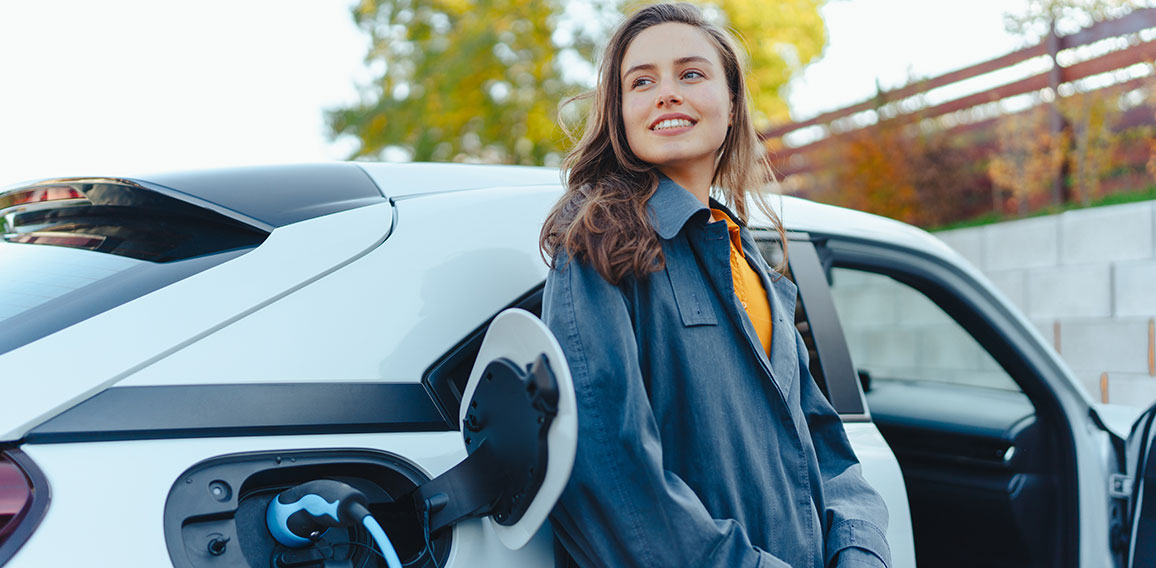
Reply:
x=519, y=421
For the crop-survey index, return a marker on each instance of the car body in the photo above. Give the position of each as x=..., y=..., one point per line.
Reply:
x=221, y=335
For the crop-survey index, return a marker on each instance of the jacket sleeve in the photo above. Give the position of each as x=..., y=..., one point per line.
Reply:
x=855, y=514
x=620, y=507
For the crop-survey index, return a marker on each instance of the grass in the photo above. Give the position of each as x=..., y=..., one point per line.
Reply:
x=1147, y=194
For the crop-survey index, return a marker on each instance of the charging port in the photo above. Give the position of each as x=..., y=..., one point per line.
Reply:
x=215, y=512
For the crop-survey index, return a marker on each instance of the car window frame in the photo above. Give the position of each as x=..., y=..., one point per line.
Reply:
x=843, y=389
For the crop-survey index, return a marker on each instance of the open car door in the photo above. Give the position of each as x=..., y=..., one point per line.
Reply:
x=1141, y=470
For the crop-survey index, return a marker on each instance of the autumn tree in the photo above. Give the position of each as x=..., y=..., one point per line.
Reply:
x=871, y=175
x=1028, y=157
x=1150, y=140
x=1091, y=118
x=481, y=80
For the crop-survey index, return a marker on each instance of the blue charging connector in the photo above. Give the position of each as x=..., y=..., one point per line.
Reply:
x=301, y=514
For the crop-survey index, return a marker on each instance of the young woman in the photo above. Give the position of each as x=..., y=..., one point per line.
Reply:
x=703, y=439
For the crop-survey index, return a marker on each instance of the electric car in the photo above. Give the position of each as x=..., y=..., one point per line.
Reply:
x=338, y=365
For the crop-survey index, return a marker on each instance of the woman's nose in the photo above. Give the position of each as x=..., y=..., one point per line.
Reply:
x=668, y=97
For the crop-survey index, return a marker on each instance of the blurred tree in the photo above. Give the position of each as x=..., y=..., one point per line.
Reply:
x=1150, y=135
x=782, y=38
x=873, y=174
x=1069, y=16
x=481, y=80
x=1092, y=118
x=1029, y=156
x=457, y=79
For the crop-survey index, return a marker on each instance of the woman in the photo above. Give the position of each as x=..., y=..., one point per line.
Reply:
x=703, y=439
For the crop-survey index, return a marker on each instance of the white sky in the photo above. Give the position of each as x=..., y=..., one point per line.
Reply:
x=114, y=86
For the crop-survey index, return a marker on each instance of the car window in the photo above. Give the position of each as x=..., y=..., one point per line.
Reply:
x=895, y=332
x=48, y=288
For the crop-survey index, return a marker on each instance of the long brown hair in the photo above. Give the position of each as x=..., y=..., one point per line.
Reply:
x=602, y=216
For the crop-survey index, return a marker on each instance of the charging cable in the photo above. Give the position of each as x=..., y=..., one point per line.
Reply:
x=299, y=515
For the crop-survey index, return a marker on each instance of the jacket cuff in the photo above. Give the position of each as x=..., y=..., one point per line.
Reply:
x=855, y=557
x=858, y=534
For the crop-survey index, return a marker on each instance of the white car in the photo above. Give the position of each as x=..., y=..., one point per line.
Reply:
x=181, y=353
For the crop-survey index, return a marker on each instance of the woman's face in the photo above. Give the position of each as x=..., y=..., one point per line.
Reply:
x=676, y=106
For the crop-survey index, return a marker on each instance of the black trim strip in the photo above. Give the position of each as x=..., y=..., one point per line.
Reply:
x=843, y=388
x=28, y=519
x=262, y=409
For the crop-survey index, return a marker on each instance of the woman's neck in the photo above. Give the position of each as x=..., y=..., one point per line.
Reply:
x=695, y=180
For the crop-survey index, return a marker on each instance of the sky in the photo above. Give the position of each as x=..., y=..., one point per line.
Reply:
x=119, y=87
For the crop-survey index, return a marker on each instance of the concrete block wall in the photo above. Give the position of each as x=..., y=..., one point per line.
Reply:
x=894, y=331
x=1087, y=279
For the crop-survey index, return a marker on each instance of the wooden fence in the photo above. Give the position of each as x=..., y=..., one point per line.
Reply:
x=1103, y=57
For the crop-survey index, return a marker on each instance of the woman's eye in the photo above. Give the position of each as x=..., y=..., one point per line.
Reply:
x=692, y=75
x=639, y=82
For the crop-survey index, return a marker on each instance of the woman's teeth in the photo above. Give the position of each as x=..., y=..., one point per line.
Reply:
x=673, y=123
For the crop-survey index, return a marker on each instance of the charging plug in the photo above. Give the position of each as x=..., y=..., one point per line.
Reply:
x=299, y=515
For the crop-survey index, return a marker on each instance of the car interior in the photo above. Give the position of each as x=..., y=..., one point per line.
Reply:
x=984, y=449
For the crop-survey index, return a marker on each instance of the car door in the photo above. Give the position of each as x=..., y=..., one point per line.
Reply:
x=1003, y=455
x=1140, y=549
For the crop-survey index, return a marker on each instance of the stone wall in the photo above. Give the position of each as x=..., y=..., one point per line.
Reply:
x=896, y=332
x=1087, y=280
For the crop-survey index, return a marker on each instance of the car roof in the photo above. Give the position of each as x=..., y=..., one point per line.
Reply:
x=819, y=220
x=402, y=180
x=282, y=194
x=797, y=214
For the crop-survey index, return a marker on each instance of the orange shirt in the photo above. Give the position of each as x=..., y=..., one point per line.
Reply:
x=748, y=286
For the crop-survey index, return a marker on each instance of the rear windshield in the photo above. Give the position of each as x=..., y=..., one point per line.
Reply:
x=36, y=275
x=71, y=249
x=44, y=289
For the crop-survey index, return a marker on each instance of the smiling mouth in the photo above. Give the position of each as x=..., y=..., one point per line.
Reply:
x=672, y=123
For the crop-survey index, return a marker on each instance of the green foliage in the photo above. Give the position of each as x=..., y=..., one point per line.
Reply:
x=481, y=80
x=459, y=79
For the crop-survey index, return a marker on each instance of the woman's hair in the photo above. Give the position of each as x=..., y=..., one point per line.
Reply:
x=602, y=217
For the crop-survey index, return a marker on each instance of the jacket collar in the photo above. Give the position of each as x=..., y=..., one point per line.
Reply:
x=672, y=206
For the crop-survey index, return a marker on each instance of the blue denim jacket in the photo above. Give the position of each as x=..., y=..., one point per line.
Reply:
x=694, y=448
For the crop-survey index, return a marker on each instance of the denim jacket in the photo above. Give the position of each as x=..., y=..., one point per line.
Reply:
x=694, y=447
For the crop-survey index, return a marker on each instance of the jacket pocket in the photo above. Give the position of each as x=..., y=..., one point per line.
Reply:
x=690, y=293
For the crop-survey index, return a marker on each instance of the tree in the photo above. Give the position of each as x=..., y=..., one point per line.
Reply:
x=1092, y=118
x=457, y=79
x=1069, y=16
x=782, y=38
x=1029, y=156
x=481, y=80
